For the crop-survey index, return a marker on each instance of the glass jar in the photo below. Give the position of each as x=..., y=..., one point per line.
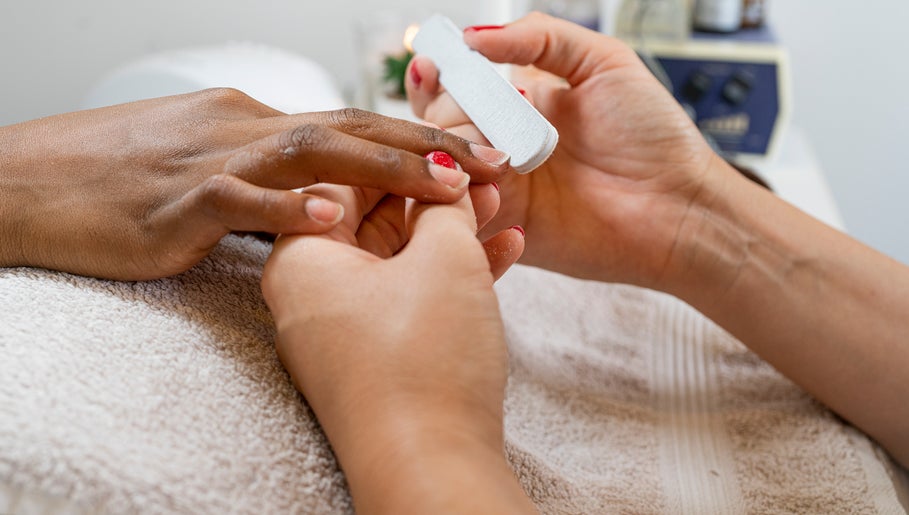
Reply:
x=639, y=21
x=718, y=15
x=753, y=13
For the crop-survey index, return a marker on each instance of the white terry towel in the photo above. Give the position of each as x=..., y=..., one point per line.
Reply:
x=625, y=400
x=167, y=397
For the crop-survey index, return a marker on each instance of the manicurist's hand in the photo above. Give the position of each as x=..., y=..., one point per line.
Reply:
x=147, y=189
x=401, y=352
x=633, y=194
x=629, y=164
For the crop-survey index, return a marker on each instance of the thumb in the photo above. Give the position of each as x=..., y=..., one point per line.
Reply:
x=425, y=221
x=446, y=235
x=551, y=44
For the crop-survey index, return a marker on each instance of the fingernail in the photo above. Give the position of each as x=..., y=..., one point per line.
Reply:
x=489, y=154
x=442, y=158
x=523, y=92
x=451, y=177
x=518, y=228
x=496, y=186
x=478, y=28
x=324, y=210
x=415, y=76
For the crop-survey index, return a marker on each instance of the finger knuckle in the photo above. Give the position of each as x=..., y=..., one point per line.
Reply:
x=434, y=138
x=269, y=206
x=353, y=120
x=215, y=191
x=538, y=17
x=390, y=160
x=306, y=136
x=228, y=96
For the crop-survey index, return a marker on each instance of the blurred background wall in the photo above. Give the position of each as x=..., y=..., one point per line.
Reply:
x=851, y=98
x=849, y=82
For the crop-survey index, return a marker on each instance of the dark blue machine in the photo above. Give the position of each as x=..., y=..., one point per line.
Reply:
x=734, y=86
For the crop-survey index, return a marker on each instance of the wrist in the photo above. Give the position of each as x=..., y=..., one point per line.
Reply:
x=410, y=448
x=411, y=466
x=11, y=224
x=719, y=238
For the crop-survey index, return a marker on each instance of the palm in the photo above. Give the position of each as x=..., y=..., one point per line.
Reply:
x=607, y=181
x=610, y=201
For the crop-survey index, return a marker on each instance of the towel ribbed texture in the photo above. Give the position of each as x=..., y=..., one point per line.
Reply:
x=166, y=397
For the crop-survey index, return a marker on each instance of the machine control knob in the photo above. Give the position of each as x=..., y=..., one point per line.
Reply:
x=697, y=85
x=737, y=88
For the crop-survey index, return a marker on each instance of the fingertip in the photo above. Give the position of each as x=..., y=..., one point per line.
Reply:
x=438, y=212
x=414, y=75
x=524, y=93
x=427, y=72
x=229, y=203
x=324, y=211
x=421, y=84
x=551, y=44
x=452, y=178
x=473, y=34
x=491, y=156
x=504, y=249
x=486, y=202
x=480, y=28
x=422, y=77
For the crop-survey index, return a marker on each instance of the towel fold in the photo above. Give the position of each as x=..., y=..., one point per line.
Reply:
x=627, y=400
x=167, y=397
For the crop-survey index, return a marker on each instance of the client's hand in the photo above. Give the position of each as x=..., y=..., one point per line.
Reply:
x=146, y=189
x=402, y=359
x=621, y=184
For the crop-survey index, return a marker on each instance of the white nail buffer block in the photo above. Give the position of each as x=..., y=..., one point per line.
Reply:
x=501, y=113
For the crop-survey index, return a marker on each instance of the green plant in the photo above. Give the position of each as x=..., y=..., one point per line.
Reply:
x=395, y=70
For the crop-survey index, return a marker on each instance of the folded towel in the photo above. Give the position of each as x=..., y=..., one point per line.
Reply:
x=627, y=400
x=166, y=397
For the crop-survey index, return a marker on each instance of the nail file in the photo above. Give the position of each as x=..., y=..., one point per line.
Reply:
x=498, y=110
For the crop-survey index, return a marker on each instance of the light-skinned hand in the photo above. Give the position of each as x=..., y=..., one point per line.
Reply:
x=610, y=201
x=390, y=327
x=634, y=194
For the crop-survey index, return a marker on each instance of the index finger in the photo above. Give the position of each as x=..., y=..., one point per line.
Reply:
x=482, y=163
x=551, y=44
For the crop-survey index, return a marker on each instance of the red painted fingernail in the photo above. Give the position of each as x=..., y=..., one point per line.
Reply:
x=518, y=228
x=483, y=27
x=522, y=92
x=496, y=186
x=415, y=76
x=445, y=170
x=442, y=159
